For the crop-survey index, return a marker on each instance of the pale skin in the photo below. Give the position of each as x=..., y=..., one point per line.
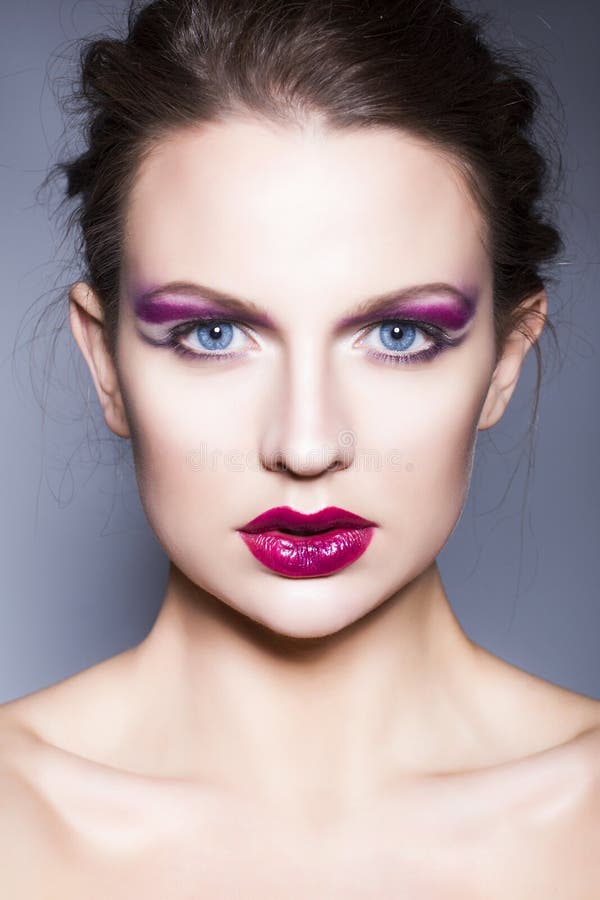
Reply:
x=284, y=737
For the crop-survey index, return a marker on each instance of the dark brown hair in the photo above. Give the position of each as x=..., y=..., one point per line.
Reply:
x=422, y=66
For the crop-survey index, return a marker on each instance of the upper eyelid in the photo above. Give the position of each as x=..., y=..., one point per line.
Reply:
x=247, y=326
x=180, y=295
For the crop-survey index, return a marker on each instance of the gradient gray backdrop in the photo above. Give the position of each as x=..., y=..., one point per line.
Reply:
x=83, y=576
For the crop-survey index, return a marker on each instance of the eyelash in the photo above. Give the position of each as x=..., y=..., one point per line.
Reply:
x=441, y=341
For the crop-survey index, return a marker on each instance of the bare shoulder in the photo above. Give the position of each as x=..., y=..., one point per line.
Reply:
x=19, y=798
x=529, y=714
x=543, y=803
x=79, y=713
x=551, y=845
x=30, y=828
x=40, y=736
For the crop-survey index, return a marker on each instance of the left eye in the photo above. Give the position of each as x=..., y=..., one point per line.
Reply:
x=398, y=336
x=214, y=337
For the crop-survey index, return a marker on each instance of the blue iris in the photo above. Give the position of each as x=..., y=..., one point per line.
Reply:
x=218, y=335
x=398, y=336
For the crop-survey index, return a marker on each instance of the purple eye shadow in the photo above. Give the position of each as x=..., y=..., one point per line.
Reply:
x=452, y=316
x=162, y=310
x=440, y=304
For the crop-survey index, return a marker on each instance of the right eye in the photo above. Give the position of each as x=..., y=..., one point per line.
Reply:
x=207, y=339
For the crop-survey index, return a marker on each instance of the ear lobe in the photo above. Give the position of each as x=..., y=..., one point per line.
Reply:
x=86, y=316
x=529, y=324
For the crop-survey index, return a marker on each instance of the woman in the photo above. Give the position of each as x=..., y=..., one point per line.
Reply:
x=313, y=239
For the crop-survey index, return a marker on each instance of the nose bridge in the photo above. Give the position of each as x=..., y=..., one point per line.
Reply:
x=307, y=424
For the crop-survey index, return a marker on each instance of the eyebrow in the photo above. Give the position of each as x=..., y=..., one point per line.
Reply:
x=253, y=314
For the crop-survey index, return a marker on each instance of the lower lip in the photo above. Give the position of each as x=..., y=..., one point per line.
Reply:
x=305, y=556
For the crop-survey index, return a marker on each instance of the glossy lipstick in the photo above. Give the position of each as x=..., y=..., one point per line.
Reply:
x=307, y=545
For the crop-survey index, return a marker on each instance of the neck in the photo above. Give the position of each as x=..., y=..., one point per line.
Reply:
x=292, y=716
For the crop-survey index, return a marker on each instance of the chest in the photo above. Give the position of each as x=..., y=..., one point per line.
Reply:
x=270, y=871
x=472, y=839
x=239, y=859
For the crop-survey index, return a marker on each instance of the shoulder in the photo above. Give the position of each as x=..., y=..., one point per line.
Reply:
x=530, y=825
x=30, y=828
x=44, y=737
x=560, y=824
x=543, y=800
x=78, y=713
x=527, y=714
x=18, y=764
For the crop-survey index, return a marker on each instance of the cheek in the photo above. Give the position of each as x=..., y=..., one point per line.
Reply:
x=190, y=445
x=424, y=493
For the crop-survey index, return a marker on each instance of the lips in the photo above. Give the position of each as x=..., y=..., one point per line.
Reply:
x=299, y=545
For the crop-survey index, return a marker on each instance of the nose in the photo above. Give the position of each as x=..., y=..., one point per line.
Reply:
x=307, y=433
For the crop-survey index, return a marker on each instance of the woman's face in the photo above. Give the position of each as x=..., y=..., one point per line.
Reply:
x=305, y=227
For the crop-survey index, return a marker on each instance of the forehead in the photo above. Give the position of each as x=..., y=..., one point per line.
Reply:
x=257, y=208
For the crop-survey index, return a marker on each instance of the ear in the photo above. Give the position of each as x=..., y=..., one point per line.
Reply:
x=508, y=368
x=86, y=316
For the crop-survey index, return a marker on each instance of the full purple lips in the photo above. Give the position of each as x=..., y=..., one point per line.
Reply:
x=297, y=545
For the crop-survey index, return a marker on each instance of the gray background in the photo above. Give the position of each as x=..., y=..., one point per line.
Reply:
x=83, y=576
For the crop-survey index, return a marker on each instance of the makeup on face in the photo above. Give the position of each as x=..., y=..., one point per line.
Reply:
x=448, y=307
x=440, y=310
x=175, y=303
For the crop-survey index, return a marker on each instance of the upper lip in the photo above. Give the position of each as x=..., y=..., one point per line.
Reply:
x=284, y=518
